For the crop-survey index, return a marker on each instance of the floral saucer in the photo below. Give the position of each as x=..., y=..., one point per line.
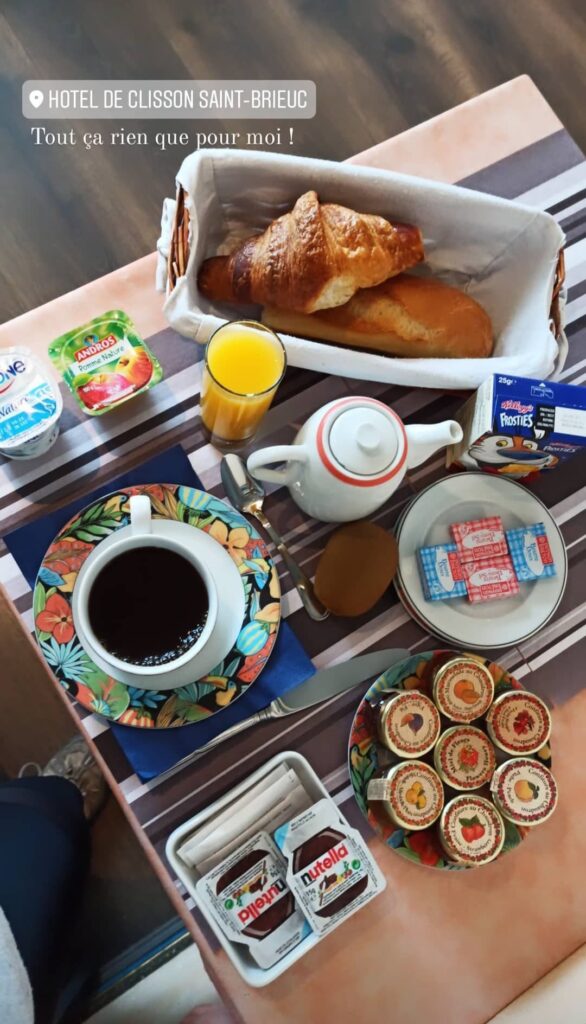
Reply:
x=162, y=709
x=366, y=756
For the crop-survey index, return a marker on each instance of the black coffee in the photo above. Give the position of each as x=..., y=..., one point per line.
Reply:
x=148, y=606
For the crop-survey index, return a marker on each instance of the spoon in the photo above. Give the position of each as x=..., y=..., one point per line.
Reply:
x=247, y=495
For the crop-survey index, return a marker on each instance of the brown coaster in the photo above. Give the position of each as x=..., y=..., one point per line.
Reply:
x=356, y=567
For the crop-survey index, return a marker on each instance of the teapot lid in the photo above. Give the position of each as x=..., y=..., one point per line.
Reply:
x=365, y=439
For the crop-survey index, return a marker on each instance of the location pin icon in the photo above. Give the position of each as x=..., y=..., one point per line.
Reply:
x=36, y=97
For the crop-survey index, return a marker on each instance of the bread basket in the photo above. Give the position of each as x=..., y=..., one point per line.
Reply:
x=507, y=255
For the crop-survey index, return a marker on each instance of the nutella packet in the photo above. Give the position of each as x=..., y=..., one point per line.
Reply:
x=248, y=895
x=330, y=871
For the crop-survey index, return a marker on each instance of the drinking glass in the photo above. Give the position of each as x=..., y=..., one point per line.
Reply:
x=244, y=364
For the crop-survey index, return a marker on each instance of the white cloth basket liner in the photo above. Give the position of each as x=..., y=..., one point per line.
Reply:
x=502, y=253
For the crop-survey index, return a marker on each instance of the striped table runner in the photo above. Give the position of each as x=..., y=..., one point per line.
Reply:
x=549, y=174
x=555, y=171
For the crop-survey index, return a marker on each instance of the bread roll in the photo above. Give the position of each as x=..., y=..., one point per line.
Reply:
x=314, y=257
x=417, y=317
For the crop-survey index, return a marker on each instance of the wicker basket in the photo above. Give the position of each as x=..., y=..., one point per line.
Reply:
x=179, y=257
x=179, y=247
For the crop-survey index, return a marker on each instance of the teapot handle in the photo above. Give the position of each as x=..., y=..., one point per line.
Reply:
x=257, y=462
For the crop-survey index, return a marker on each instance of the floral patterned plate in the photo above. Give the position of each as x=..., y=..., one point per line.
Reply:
x=366, y=756
x=162, y=709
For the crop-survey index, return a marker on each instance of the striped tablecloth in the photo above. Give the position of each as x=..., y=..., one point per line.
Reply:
x=425, y=915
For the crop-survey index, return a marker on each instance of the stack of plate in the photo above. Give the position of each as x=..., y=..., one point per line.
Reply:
x=489, y=624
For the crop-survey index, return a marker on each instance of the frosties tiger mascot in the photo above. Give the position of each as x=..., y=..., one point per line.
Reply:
x=510, y=456
x=516, y=427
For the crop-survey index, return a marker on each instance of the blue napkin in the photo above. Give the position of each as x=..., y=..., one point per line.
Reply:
x=151, y=752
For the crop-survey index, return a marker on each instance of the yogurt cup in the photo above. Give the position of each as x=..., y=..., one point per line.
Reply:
x=30, y=405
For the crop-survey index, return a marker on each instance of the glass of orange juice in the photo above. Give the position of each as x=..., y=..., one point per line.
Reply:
x=244, y=364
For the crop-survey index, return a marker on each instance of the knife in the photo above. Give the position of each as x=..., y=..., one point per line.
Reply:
x=322, y=686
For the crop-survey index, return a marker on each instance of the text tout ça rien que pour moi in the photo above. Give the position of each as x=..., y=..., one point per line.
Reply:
x=161, y=139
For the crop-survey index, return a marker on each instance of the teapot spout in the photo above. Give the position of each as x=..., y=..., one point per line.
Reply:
x=425, y=439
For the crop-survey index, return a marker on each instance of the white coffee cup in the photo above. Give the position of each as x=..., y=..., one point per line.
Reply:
x=144, y=532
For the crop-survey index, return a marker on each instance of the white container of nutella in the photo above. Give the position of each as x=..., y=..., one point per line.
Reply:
x=30, y=405
x=193, y=851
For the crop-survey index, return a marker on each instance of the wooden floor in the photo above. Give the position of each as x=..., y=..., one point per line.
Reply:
x=69, y=215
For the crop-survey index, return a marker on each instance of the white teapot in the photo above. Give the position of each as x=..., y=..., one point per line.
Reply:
x=350, y=456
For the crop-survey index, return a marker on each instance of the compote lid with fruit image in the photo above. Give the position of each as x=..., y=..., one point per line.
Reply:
x=409, y=723
x=464, y=758
x=463, y=689
x=471, y=830
x=519, y=722
x=524, y=791
x=412, y=794
x=105, y=362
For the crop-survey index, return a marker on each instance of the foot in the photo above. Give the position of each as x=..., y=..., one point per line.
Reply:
x=74, y=762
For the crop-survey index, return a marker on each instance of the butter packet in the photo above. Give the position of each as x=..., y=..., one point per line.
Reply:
x=249, y=897
x=480, y=538
x=105, y=362
x=330, y=871
x=440, y=572
x=490, y=579
x=530, y=552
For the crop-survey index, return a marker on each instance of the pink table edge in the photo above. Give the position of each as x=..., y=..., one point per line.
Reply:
x=446, y=148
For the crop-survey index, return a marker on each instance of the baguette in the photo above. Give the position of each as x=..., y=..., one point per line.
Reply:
x=416, y=317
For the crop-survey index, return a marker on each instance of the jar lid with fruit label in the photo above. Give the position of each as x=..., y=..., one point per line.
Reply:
x=524, y=791
x=412, y=794
x=408, y=723
x=471, y=830
x=464, y=758
x=519, y=722
x=463, y=689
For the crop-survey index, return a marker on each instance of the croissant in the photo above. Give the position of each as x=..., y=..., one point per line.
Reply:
x=315, y=257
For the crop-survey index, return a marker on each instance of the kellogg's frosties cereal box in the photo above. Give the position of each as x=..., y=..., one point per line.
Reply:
x=105, y=362
x=514, y=426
